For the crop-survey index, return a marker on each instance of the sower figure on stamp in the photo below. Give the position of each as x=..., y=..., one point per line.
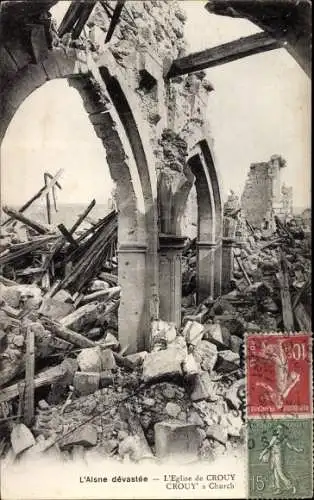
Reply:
x=273, y=453
x=284, y=380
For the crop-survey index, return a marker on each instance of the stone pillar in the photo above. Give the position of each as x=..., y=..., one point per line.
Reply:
x=228, y=245
x=205, y=269
x=217, y=271
x=170, y=277
x=134, y=320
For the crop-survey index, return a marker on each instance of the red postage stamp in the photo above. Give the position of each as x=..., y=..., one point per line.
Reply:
x=278, y=374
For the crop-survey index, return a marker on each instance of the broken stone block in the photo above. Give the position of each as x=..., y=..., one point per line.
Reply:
x=89, y=406
x=177, y=440
x=214, y=332
x=193, y=332
x=94, y=333
x=86, y=436
x=130, y=446
x=138, y=357
x=227, y=361
x=268, y=305
x=55, y=309
x=163, y=332
x=218, y=433
x=18, y=340
x=89, y=360
x=111, y=339
x=233, y=393
x=64, y=296
x=252, y=327
x=222, y=305
x=234, y=424
x=106, y=379
x=43, y=405
x=203, y=388
x=235, y=344
x=232, y=322
x=163, y=364
x=150, y=402
x=69, y=366
x=172, y=409
x=195, y=419
x=30, y=297
x=107, y=360
x=206, y=354
x=11, y=295
x=97, y=285
x=21, y=438
x=200, y=317
x=86, y=382
x=190, y=366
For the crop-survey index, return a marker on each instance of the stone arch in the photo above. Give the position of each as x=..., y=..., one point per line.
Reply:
x=115, y=121
x=210, y=220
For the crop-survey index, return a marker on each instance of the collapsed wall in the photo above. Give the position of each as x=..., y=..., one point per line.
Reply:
x=264, y=196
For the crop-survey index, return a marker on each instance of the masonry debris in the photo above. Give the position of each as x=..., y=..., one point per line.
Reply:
x=68, y=389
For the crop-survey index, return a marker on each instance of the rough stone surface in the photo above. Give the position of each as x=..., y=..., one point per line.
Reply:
x=21, y=438
x=177, y=441
x=190, y=366
x=172, y=409
x=232, y=395
x=206, y=354
x=163, y=332
x=43, y=405
x=107, y=360
x=218, y=433
x=165, y=363
x=56, y=309
x=193, y=332
x=106, y=378
x=227, y=361
x=86, y=382
x=89, y=360
x=236, y=344
x=203, y=387
x=85, y=435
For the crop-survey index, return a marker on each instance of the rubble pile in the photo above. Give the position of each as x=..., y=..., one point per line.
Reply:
x=67, y=388
x=271, y=285
x=183, y=400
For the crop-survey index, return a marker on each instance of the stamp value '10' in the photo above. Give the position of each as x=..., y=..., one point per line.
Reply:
x=278, y=374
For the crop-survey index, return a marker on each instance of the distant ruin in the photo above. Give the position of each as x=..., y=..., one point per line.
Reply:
x=264, y=196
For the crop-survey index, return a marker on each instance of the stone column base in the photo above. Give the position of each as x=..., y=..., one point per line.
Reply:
x=170, y=277
x=133, y=319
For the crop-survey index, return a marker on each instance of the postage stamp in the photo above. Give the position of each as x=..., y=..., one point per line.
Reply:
x=280, y=458
x=278, y=368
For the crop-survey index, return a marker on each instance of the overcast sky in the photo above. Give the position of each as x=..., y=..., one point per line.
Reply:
x=260, y=106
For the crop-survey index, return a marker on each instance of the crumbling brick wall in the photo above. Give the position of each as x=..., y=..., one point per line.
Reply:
x=263, y=196
x=256, y=199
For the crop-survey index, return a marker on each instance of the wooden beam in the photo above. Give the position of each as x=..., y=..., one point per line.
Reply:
x=25, y=220
x=82, y=20
x=67, y=235
x=29, y=404
x=41, y=193
x=222, y=54
x=70, y=17
x=82, y=216
x=48, y=204
x=283, y=278
x=115, y=19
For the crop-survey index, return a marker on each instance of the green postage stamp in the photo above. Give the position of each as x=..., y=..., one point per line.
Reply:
x=280, y=458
